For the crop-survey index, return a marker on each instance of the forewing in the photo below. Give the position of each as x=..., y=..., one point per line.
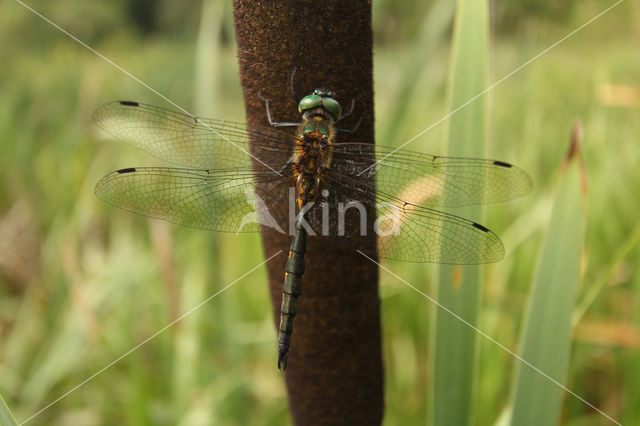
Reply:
x=428, y=180
x=194, y=142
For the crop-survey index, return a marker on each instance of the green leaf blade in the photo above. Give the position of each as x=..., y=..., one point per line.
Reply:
x=547, y=334
x=459, y=287
x=6, y=418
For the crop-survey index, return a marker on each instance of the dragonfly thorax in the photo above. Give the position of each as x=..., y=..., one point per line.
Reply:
x=317, y=120
x=313, y=156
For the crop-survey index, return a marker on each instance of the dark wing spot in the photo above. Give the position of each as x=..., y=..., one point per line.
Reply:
x=129, y=170
x=480, y=227
x=502, y=164
x=129, y=103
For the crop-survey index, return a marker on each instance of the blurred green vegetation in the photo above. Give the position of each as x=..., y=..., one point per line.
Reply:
x=82, y=283
x=459, y=287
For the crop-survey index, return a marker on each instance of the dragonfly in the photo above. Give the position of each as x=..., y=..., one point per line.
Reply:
x=234, y=177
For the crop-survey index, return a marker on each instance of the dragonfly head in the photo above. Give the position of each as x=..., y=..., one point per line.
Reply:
x=324, y=99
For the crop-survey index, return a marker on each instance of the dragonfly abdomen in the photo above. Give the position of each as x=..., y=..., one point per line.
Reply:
x=292, y=288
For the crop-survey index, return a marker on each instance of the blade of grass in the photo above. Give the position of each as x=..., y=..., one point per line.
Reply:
x=459, y=286
x=624, y=250
x=6, y=418
x=547, y=334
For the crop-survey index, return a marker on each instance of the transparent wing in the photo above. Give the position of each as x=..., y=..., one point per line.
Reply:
x=417, y=234
x=429, y=180
x=193, y=142
x=225, y=200
x=399, y=187
x=413, y=233
x=219, y=200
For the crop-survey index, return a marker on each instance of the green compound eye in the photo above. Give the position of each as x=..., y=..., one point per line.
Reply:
x=333, y=107
x=308, y=102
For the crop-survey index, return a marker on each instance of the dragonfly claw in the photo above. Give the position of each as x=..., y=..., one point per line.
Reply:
x=283, y=354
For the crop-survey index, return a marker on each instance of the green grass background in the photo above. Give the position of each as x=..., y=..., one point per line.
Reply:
x=82, y=283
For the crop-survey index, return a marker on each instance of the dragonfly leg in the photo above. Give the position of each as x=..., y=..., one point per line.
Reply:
x=284, y=169
x=354, y=128
x=353, y=105
x=293, y=86
x=275, y=123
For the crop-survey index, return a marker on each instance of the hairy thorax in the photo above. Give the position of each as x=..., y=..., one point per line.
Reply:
x=313, y=157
